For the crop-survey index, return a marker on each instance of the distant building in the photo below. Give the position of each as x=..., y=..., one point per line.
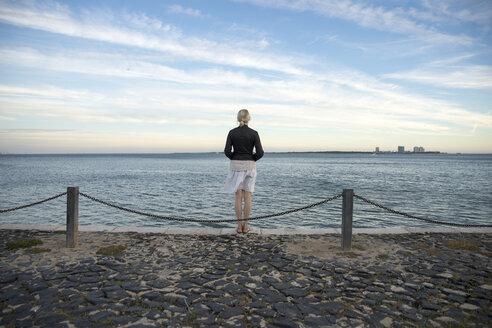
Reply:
x=418, y=149
x=401, y=149
x=377, y=149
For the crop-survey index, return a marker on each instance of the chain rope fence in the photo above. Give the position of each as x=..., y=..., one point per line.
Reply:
x=419, y=218
x=253, y=218
x=33, y=204
x=207, y=221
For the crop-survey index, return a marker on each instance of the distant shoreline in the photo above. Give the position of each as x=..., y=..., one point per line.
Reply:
x=268, y=152
x=359, y=152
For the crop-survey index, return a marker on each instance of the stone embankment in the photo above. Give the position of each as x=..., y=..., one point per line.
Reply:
x=401, y=280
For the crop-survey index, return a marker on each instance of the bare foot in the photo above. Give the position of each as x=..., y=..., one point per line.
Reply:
x=239, y=229
x=245, y=228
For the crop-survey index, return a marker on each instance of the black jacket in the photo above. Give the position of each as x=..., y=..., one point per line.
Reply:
x=243, y=139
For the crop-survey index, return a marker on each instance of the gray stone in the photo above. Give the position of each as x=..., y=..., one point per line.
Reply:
x=332, y=308
x=7, y=319
x=151, y=304
x=446, y=320
x=174, y=308
x=430, y=306
x=287, y=309
x=205, y=321
x=131, y=310
x=284, y=322
x=25, y=323
x=90, y=280
x=10, y=294
x=397, y=289
x=186, y=285
x=407, y=309
x=428, y=285
x=100, y=316
x=231, y=312
x=116, y=294
x=37, y=286
x=82, y=323
x=97, y=300
x=121, y=321
x=455, y=313
x=455, y=292
x=469, y=307
x=444, y=275
x=8, y=278
x=49, y=319
x=349, y=313
x=21, y=299
x=155, y=314
x=318, y=321
x=158, y=284
x=96, y=297
x=455, y=298
x=153, y=295
x=307, y=309
x=264, y=312
x=414, y=317
x=368, y=302
x=274, y=297
x=295, y=292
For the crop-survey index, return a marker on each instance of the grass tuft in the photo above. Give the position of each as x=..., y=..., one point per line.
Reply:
x=111, y=250
x=37, y=250
x=462, y=244
x=420, y=246
x=433, y=251
x=382, y=257
x=24, y=243
x=359, y=247
x=349, y=254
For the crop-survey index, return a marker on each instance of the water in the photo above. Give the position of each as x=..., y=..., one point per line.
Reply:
x=454, y=188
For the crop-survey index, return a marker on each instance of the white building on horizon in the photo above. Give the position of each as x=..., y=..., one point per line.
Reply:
x=418, y=149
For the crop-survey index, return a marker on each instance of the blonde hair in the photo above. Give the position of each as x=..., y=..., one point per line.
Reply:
x=243, y=117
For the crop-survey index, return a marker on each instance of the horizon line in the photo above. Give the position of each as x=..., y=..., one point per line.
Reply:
x=266, y=152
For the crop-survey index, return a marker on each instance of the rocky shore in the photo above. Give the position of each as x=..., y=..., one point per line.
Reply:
x=399, y=280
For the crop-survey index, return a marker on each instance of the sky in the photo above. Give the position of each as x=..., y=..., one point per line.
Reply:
x=169, y=76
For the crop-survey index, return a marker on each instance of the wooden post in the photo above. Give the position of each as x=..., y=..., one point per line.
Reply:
x=72, y=216
x=347, y=211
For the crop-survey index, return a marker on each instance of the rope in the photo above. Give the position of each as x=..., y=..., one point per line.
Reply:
x=206, y=221
x=253, y=218
x=419, y=218
x=36, y=203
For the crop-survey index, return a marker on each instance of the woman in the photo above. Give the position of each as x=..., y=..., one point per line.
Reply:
x=242, y=173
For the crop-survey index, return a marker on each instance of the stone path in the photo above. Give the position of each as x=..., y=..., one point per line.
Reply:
x=407, y=280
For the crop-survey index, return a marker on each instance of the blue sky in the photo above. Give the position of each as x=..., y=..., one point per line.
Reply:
x=170, y=76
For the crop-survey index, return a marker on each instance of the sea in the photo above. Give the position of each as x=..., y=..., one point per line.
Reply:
x=447, y=187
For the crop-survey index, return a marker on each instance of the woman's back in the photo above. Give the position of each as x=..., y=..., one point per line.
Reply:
x=243, y=139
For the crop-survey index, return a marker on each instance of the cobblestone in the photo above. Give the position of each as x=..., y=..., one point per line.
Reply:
x=246, y=280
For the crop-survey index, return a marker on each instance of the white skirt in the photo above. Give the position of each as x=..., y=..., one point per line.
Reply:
x=244, y=180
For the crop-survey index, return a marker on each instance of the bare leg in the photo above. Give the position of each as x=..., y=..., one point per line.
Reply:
x=238, y=206
x=247, y=209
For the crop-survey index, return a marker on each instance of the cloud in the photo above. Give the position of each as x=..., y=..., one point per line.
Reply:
x=115, y=65
x=142, y=21
x=379, y=18
x=177, y=9
x=189, y=81
x=344, y=98
x=54, y=20
x=449, y=73
x=478, y=12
